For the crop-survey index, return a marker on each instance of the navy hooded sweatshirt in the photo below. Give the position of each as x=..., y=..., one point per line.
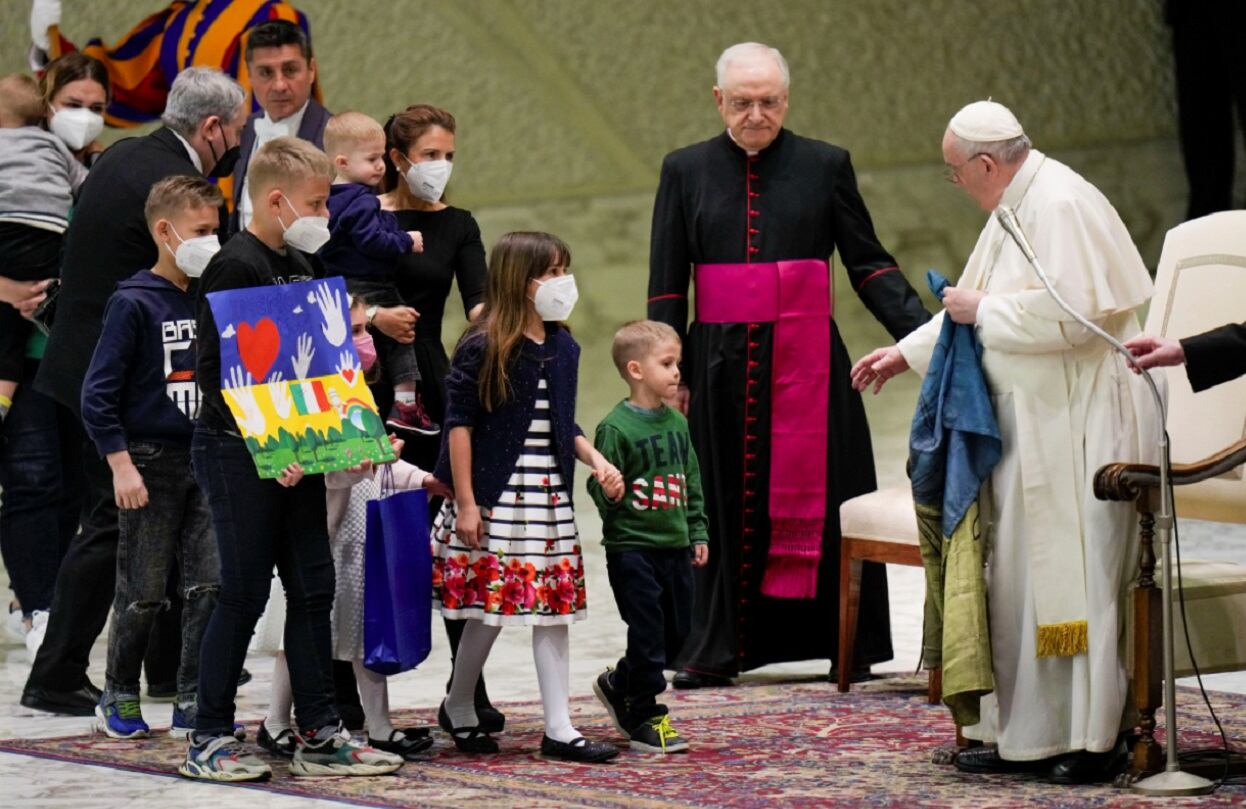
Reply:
x=141, y=382
x=364, y=241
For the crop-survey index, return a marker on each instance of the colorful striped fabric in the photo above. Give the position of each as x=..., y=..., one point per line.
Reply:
x=186, y=33
x=309, y=397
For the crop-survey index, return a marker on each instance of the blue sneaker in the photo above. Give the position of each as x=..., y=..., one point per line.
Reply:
x=120, y=717
x=222, y=758
x=184, y=723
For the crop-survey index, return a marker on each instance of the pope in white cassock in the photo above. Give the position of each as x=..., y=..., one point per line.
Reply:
x=1059, y=562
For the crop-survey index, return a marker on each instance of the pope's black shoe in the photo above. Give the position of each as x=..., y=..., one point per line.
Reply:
x=687, y=679
x=1090, y=768
x=68, y=703
x=985, y=760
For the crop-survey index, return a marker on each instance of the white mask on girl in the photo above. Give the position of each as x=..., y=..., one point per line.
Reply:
x=428, y=178
x=556, y=297
x=77, y=126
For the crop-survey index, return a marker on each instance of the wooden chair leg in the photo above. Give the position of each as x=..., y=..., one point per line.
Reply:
x=849, y=601
x=934, y=686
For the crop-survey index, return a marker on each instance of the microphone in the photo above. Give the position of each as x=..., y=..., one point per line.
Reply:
x=1008, y=219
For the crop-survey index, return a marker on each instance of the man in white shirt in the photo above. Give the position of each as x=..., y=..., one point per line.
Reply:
x=1059, y=561
x=283, y=73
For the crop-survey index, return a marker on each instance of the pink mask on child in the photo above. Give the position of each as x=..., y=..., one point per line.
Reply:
x=366, y=350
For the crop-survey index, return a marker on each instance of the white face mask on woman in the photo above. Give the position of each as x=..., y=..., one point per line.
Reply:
x=307, y=233
x=77, y=126
x=428, y=178
x=556, y=297
x=192, y=255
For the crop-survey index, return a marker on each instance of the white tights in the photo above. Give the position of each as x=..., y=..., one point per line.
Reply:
x=551, y=651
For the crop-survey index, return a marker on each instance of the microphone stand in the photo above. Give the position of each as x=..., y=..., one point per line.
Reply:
x=1173, y=781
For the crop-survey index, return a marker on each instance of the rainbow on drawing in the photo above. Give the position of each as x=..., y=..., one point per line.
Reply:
x=292, y=380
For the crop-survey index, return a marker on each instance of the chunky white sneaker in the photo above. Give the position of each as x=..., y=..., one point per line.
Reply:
x=332, y=752
x=223, y=758
x=38, y=628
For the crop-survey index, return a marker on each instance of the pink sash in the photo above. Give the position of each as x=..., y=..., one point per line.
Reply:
x=796, y=297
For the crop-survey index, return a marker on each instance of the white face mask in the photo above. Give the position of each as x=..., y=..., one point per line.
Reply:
x=427, y=179
x=308, y=233
x=77, y=126
x=556, y=297
x=192, y=255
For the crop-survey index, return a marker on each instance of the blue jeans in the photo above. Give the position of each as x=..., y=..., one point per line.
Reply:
x=653, y=590
x=41, y=480
x=174, y=525
x=260, y=523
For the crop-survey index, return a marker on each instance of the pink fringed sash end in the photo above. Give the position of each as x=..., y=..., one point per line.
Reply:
x=792, y=564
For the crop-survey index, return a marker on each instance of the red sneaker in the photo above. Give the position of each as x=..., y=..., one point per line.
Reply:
x=411, y=418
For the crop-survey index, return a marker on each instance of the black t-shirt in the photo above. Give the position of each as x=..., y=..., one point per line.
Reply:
x=244, y=261
x=453, y=250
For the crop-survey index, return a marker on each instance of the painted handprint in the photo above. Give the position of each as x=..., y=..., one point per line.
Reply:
x=241, y=393
x=330, y=303
x=302, y=359
x=347, y=367
x=279, y=392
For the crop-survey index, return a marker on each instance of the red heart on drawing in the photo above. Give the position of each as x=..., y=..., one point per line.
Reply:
x=349, y=375
x=257, y=346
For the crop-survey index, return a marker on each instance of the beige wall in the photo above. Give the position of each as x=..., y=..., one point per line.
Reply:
x=566, y=108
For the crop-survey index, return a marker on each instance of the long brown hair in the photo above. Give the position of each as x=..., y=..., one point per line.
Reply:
x=516, y=259
x=70, y=68
x=403, y=129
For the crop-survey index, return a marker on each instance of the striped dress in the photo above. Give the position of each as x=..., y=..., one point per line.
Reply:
x=529, y=569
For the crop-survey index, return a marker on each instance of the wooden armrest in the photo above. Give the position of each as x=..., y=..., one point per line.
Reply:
x=1125, y=481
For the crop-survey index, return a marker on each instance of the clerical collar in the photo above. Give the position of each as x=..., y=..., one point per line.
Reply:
x=749, y=152
x=190, y=150
x=1015, y=192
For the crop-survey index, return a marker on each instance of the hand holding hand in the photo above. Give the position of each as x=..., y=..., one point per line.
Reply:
x=436, y=488
x=877, y=367
x=610, y=478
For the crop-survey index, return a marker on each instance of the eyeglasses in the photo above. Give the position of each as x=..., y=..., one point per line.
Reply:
x=768, y=104
x=952, y=173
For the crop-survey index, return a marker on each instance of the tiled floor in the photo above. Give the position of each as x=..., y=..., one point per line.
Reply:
x=37, y=784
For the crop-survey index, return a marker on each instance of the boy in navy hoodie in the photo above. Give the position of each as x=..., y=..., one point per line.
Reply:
x=365, y=243
x=139, y=402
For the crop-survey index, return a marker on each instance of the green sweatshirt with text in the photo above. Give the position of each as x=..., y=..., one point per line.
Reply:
x=662, y=506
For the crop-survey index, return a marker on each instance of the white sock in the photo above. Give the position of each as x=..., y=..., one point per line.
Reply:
x=551, y=649
x=474, y=647
x=404, y=396
x=374, y=694
x=281, y=698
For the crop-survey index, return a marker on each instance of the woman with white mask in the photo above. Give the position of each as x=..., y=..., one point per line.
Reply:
x=76, y=90
x=419, y=156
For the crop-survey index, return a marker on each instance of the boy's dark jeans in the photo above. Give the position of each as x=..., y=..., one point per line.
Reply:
x=397, y=359
x=260, y=523
x=653, y=590
x=174, y=525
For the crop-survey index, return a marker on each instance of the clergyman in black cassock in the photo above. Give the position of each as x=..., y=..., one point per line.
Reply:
x=758, y=194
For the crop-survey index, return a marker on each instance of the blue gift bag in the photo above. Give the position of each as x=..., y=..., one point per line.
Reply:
x=398, y=581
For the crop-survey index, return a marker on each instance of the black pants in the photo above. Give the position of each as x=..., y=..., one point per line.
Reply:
x=259, y=523
x=26, y=254
x=85, y=586
x=653, y=589
x=1209, y=48
x=40, y=477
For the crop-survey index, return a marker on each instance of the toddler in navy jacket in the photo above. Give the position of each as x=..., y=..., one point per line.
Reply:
x=364, y=245
x=139, y=402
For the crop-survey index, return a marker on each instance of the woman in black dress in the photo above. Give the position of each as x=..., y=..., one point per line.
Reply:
x=419, y=154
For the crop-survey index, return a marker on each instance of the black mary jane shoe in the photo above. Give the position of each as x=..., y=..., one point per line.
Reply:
x=473, y=740
x=490, y=719
x=406, y=742
x=1089, y=768
x=986, y=760
x=579, y=750
x=688, y=679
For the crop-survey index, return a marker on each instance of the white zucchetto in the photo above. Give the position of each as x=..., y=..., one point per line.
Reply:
x=985, y=122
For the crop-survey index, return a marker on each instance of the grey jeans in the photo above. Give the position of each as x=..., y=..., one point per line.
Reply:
x=174, y=526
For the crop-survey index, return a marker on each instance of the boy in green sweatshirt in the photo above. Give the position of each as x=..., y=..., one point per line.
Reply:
x=653, y=534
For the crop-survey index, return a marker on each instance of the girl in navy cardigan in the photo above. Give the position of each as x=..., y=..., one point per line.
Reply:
x=506, y=550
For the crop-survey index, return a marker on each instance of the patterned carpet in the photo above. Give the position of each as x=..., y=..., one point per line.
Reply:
x=789, y=744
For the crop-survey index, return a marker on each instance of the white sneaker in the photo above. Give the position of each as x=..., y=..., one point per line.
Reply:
x=15, y=625
x=38, y=628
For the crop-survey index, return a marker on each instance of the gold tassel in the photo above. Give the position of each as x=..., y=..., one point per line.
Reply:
x=1063, y=640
